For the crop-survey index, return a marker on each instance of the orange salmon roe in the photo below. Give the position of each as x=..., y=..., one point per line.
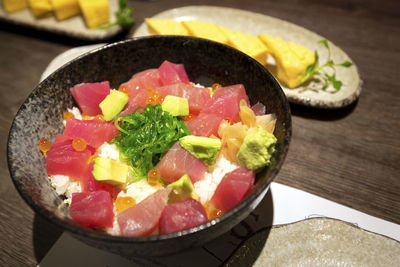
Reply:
x=153, y=177
x=123, y=203
x=99, y=117
x=92, y=158
x=188, y=117
x=229, y=120
x=211, y=211
x=124, y=89
x=68, y=115
x=44, y=146
x=216, y=86
x=154, y=97
x=86, y=118
x=79, y=144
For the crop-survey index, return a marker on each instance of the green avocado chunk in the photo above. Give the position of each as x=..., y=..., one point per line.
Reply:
x=113, y=104
x=182, y=189
x=204, y=148
x=110, y=171
x=177, y=106
x=256, y=149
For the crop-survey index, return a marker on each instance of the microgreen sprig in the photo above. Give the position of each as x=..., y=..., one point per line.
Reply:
x=315, y=69
x=123, y=16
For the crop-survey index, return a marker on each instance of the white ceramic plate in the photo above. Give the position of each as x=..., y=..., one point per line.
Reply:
x=74, y=26
x=254, y=23
x=317, y=242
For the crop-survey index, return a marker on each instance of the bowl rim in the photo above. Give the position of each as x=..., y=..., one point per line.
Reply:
x=100, y=236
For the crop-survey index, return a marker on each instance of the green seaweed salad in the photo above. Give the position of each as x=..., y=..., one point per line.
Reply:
x=145, y=135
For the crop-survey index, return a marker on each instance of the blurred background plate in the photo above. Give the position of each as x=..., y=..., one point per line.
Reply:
x=253, y=23
x=72, y=27
x=316, y=242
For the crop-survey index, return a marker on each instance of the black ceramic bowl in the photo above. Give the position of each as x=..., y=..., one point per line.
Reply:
x=206, y=62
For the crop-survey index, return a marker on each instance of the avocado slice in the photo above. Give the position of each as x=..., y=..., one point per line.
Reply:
x=113, y=104
x=256, y=149
x=110, y=171
x=204, y=148
x=182, y=189
x=177, y=106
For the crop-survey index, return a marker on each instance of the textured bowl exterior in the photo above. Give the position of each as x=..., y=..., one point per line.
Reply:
x=206, y=62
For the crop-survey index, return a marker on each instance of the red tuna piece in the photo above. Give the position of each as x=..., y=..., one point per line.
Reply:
x=196, y=96
x=177, y=162
x=95, y=132
x=137, y=97
x=143, y=218
x=92, y=209
x=171, y=73
x=232, y=188
x=204, y=124
x=63, y=159
x=88, y=96
x=89, y=183
x=225, y=101
x=182, y=215
x=143, y=80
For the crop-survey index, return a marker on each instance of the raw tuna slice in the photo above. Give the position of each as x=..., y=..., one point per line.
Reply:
x=137, y=97
x=143, y=218
x=89, y=96
x=89, y=183
x=95, y=132
x=182, y=215
x=232, y=188
x=196, y=96
x=145, y=79
x=177, y=162
x=204, y=124
x=225, y=101
x=63, y=159
x=171, y=73
x=92, y=209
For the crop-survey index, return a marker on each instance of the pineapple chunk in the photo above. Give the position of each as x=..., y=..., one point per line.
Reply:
x=14, y=5
x=64, y=9
x=165, y=27
x=96, y=12
x=205, y=30
x=40, y=8
x=291, y=59
x=250, y=45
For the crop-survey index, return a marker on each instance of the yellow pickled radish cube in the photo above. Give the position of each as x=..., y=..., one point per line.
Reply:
x=165, y=27
x=95, y=12
x=250, y=45
x=204, y=29
x=14, y=5
x=64, y=9
x=40, y=8
x=291, y=59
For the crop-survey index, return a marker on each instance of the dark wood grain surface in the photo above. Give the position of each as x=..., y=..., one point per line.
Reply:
x=350, y=155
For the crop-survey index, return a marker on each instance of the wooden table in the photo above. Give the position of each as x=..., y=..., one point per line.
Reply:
x=350, y=155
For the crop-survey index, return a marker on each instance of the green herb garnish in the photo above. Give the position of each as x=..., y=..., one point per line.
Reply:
x=123, y=15
x=315, y=69
x=145, y=136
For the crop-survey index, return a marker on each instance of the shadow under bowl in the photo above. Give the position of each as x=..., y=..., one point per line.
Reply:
x=206, y=62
